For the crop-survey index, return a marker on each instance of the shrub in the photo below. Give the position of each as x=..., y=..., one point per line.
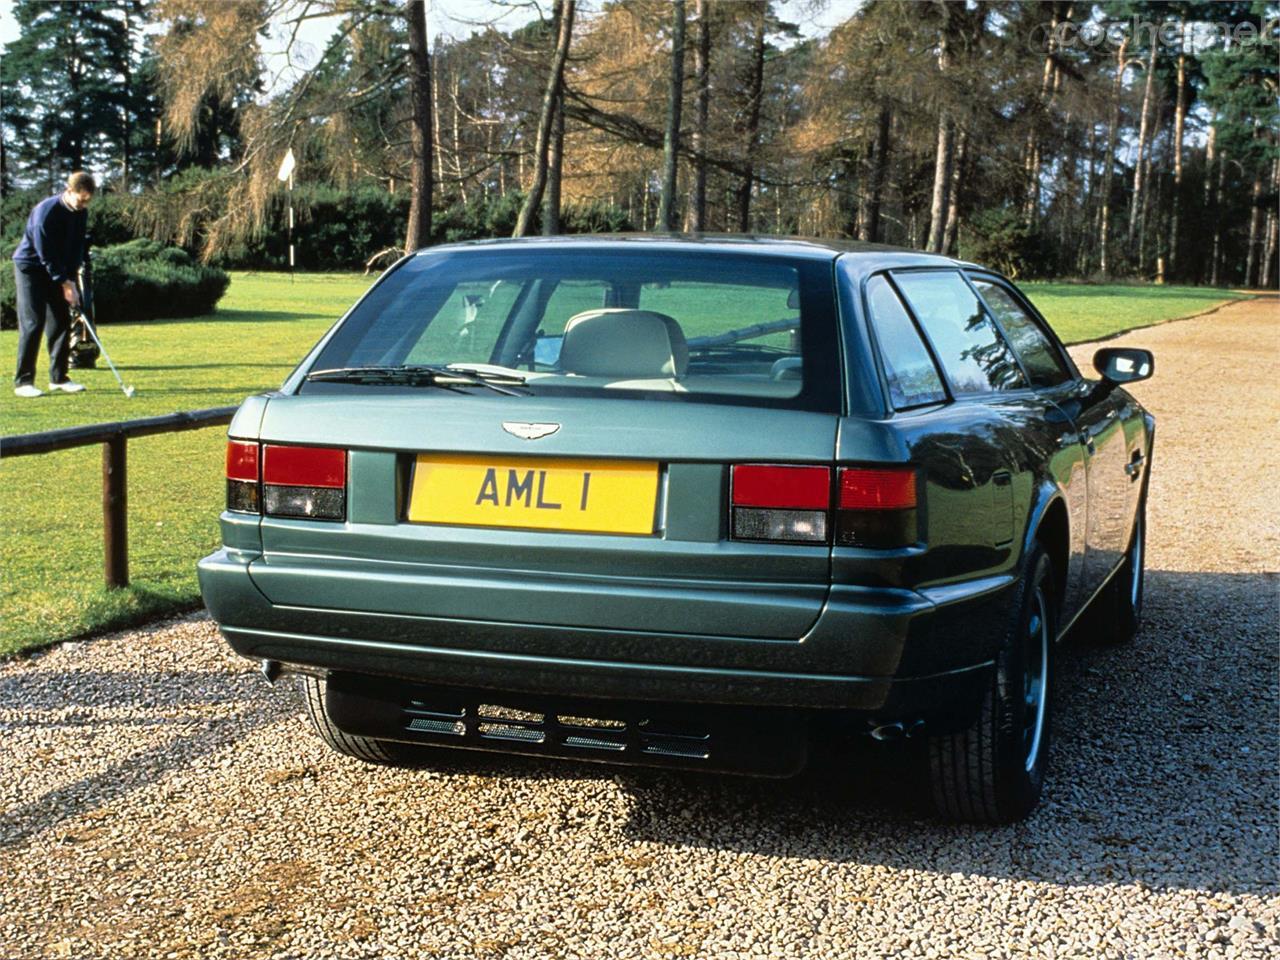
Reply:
x=1002, y=239
x=138, y=280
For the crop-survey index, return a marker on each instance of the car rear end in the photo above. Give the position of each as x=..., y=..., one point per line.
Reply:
x=582, y=498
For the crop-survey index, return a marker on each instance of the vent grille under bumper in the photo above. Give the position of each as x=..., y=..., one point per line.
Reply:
x=763, y=742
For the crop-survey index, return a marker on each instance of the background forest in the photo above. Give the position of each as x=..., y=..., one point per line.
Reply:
x=1067, y=139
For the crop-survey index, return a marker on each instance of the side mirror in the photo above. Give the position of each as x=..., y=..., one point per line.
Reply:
x=1124, y=364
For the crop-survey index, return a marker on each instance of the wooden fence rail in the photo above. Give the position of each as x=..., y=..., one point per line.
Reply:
x=114, y=438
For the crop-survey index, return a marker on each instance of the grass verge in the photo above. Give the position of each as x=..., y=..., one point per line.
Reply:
x=50, y=509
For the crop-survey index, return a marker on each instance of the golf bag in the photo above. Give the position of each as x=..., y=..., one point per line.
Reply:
x=84, y=350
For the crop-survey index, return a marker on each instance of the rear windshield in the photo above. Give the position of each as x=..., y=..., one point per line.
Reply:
x=678, y=325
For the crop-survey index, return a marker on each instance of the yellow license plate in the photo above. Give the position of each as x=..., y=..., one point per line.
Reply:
x=598, y=496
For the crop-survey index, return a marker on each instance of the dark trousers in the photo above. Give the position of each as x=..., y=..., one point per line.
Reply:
x=41, y=304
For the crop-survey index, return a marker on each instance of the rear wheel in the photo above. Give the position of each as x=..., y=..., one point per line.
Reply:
x=369, y=749
x=993, y=772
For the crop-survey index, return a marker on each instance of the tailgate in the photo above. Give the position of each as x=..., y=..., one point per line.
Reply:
x=449, y=515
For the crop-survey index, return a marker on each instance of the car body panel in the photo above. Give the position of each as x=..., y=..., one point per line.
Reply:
x=686, y=613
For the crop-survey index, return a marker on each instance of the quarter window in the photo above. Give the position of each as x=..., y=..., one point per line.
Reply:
x=1043, y=362
x=913, y=379
x=967, y=343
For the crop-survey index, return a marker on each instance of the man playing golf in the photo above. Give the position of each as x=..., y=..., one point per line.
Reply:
x=45, y=266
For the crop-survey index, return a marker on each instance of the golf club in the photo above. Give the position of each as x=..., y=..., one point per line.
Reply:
x=128, y=391
x=89, y=325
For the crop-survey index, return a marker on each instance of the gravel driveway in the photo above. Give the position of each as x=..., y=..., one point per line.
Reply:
x=160, y=800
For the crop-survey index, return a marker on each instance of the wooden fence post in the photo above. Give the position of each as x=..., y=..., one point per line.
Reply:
x=115, y=511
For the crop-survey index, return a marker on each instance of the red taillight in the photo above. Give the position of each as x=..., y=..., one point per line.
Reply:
x=870, y=506
x=774, y=502
x=304, y=466
x=308, y=483
x=767, y=485
x=242, y=460
x=877, y=489
x=243, y=494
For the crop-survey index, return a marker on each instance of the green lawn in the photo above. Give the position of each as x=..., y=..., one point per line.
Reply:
x=51, y=505
x=1079, y=312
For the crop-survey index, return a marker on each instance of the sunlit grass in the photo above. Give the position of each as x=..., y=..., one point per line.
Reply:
x=51, y=562
x=1080, y=312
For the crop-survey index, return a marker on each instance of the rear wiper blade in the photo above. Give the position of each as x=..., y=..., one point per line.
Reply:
x=420, y=375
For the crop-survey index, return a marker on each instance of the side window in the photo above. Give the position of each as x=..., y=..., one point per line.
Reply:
x=967, y=343
x=913, y=379
x=1043, y=362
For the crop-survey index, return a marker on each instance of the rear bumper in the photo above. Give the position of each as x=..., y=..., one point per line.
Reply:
x=887, y=654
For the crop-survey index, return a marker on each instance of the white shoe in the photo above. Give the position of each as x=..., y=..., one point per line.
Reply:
x=28, y=390
x=66, y=386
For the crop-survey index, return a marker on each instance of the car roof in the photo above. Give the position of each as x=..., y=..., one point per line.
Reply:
x=868, y=256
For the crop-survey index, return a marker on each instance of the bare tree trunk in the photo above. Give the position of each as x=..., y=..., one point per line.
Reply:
x=1217, y=219
x=1210, y=150
x=1049, y=82
x=126, y=115
x=435, y=124
x=1142, y=145
x=941, y=184
x=1179, y=123
x=1088, y=216
x=551, y=225
x=671, y=140
x=1273, y=229
x=1144, y=218
x=1210, y=155
x=1255, y=228
x=869, y=222
x=419, y=232
x=1268, y=260
x=755, y=88
x=1104, y=231
x=702, y=79
x=555, y=154
x=542, y=144
x=953, y=196
x=942, y=155
x=457, y=141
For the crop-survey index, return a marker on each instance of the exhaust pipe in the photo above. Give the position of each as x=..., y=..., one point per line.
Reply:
x=898, y=730
x=270, y=670
x=888, y=731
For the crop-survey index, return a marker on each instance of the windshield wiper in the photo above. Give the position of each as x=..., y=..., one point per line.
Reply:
x=421, y=375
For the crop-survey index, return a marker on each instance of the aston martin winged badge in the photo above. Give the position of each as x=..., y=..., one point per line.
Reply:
x=529, y=431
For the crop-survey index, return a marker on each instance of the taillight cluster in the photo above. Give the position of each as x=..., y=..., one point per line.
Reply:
x=866, y=507
x=286, y=481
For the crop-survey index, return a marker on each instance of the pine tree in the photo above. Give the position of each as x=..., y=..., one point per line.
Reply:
x=68, y=102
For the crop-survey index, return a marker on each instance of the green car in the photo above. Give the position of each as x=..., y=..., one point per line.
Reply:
x=704, y=503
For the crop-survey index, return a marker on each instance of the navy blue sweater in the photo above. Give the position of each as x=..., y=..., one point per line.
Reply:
x=54, y=239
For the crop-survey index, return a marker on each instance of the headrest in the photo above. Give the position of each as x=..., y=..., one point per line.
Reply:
x=621, y=343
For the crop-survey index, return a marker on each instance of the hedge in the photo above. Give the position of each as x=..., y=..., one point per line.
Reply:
x=138, y=280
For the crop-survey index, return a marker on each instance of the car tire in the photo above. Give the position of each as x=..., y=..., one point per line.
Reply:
x=1121, y=609
x=993, y=772
x=388, y=752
